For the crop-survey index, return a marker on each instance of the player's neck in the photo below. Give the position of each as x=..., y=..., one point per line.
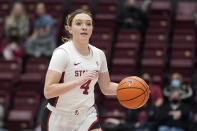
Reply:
x=82, y=47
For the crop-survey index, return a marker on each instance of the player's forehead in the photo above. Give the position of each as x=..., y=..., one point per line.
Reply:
x=82, y=17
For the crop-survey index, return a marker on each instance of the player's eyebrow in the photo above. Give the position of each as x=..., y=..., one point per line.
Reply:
x=82, y=20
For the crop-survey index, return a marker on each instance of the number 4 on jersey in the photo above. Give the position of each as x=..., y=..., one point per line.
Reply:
x=85, y=87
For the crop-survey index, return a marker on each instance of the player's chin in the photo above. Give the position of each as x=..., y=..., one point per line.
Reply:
x=87, y=37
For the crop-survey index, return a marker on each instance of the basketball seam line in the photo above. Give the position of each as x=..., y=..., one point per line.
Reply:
x=134, y=97
x=144, y=92
x=126, y=82
x=130, y=87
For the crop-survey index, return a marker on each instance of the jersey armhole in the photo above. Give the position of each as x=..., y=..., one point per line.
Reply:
x=100, y=59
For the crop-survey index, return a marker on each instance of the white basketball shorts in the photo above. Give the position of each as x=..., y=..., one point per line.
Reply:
x=78, y=120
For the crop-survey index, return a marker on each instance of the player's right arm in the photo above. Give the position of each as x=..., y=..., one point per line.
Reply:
x=58, y=63
x=53, y=88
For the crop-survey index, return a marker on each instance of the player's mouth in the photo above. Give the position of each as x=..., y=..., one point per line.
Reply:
x=84, y=34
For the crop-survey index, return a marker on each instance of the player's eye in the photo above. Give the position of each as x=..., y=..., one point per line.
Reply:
x=78, y=23
x=89, y=24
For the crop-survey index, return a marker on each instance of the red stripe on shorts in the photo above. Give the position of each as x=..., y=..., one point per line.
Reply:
x=94, y=121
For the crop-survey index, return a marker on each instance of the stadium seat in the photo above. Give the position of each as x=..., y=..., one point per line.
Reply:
x=122, y=67
x=77, y=4
x=5, y=100
x=118, y=77
x=125, y=54
x=155, y=66
x=162, y=8
x=184, y=18
x=27, y=101
x=106, y=13
x=188, y=6
x=100, y=23
x=184, y=53
x=184, y=31
x=157, y=53
x=157, y=38
x=160, y=24
x=126, y=50
x=111, y=104
x=5, y=6
x=102, y=39
x=159, y=20
x=129, y=36
x=20, y=119
x=107, y=10
x=9, y=73
x=155, y=49
x=2, y=20
x=184, y=40
x=33, y=78
x=55, y=6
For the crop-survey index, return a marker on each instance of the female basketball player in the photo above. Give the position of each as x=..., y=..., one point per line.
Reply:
x=71, y=103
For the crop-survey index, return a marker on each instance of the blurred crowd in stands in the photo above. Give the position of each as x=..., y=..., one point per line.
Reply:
x=18, y=43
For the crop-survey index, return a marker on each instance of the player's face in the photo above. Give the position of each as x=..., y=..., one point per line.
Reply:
x=82, y=27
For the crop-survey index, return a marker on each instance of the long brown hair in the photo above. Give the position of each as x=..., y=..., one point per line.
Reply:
x=70, y=18
x=22, y=16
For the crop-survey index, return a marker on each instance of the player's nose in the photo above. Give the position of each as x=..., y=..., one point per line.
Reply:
x=84, y=26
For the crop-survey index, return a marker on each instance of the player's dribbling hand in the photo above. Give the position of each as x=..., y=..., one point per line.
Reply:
x=88, y=75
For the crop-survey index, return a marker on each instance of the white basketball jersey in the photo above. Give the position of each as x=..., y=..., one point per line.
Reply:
x=67, y=59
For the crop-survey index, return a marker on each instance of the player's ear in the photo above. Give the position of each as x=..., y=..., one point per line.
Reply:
x=68, y=28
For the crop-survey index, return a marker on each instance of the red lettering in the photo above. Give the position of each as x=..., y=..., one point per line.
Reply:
x=76, y=73
x=85, y=87
x=80, y=72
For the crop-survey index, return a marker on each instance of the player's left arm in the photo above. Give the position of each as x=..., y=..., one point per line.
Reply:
x=107, y=87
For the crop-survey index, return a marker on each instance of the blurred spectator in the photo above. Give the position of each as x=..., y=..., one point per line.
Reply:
x=143, y=119
x=174, y=116
x=12, y=48
x=195, y=18
x=194, y=122
x=18, y=19
x=193, y=126
x=42, y=42
x=146, y=5
x=156, y=92
x=2, y=119
x=115, y=122
x=177, y=83
x=132, y=16
x=1, y=116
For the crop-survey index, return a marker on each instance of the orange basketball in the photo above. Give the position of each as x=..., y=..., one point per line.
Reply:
x=133, y=92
